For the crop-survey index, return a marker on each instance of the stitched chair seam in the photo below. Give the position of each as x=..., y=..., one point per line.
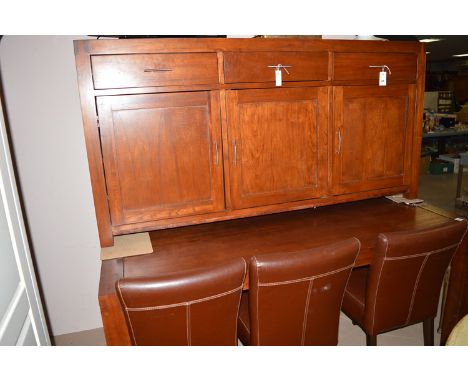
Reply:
x=309, y=278
x=185, y=303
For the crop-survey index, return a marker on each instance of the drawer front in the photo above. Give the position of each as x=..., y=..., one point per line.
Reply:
x=254, y=66
x=140, y=70
x=356, y=66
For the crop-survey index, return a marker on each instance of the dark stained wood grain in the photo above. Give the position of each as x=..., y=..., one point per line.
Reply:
x=253, y=211
x=241, y=44
x=130, y=69
x=278, y=148
x=247, y=85
x=190, y=247
x=93, y=146
x=141, y=70
x=162, y=155
x=254, y=66
x=197, y=246
x=113, y=319
x=355, y=66
x=418, y=121
x=373, y=137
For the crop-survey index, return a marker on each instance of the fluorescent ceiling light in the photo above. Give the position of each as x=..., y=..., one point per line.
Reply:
x=460, y=55
x=431, y=39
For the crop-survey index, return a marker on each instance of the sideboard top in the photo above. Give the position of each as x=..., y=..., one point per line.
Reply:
x=149, y=45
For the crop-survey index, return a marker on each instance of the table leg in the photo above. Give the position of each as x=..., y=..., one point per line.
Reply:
x=459, y=180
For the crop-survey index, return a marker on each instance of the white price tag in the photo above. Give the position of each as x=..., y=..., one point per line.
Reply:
x=383, y=78
x=278, y=77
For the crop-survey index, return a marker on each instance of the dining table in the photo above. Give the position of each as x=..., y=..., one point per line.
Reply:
x=202, y=245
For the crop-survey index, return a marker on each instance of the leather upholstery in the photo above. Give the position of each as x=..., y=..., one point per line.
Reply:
x=402, y=285
x=196, y=307
x=295, y=297
x=355, y=292
x=243, y=324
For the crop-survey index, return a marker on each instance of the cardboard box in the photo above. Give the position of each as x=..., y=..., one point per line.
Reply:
x=451, y=158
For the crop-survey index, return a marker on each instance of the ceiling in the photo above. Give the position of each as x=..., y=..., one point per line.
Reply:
x=440, y=50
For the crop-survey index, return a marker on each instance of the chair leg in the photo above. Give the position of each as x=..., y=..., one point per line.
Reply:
x=428, y=329
x=371, y=340
x=444, y=298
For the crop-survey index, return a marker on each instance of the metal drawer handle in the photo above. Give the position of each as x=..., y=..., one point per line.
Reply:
x=383, y=67
x=339, y=141
x=217, y=153
x=157, y=70
x=235, y=152
x=279, y=67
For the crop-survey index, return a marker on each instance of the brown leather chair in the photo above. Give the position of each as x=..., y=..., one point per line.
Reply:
x=197, y=307
x=295, y=298
x=401, y=287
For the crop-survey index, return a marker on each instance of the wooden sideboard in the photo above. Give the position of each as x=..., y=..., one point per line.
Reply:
x=187, y=131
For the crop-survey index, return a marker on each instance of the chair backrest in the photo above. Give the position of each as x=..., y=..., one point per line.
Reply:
x=295, y=298
x=406, y=275
x=196, y=307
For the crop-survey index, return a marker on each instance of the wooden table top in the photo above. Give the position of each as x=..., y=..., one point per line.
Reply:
x=197, y=246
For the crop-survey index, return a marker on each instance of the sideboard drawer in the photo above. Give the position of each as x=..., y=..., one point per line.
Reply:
x=356, y=66
x=255, y=66
x=164, y=69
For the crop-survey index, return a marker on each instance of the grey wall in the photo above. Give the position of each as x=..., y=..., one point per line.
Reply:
x=42, y=104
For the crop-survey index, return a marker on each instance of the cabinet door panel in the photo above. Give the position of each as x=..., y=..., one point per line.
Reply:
x=274, y=137
x=373, y=130
x=162, y=155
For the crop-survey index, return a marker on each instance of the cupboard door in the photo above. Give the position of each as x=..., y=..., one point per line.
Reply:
x=162, y=155
x=373, y=135
x=278, y=149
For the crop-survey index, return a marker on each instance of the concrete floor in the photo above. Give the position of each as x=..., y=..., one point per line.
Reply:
x=93, y=337
x=438, y=190
x=349, y=335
